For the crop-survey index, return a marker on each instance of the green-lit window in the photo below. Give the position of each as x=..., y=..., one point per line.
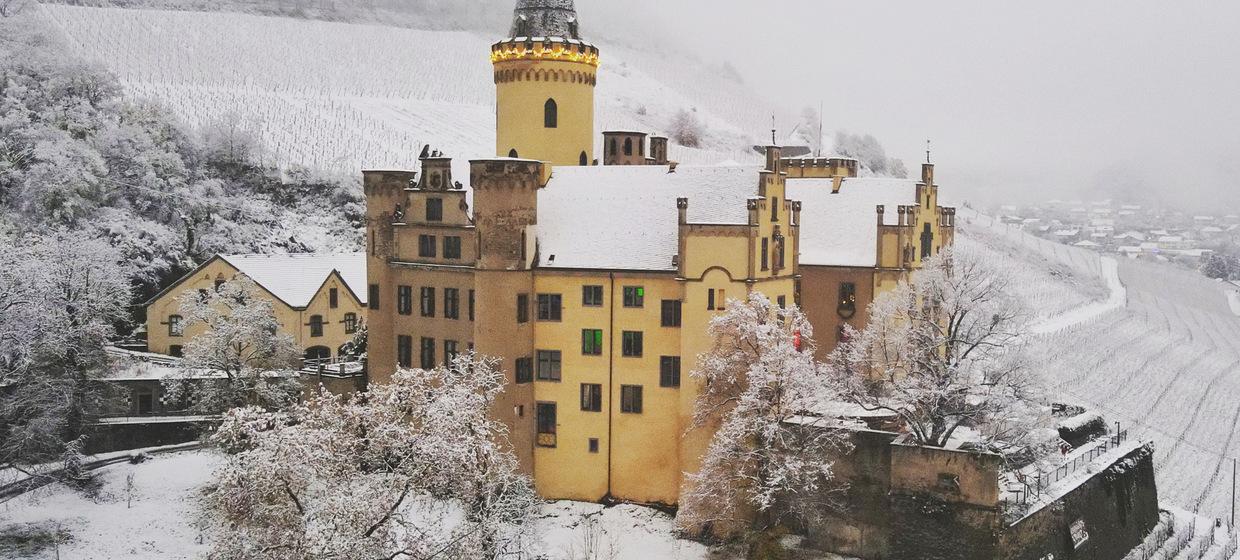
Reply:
x=592, y=342
x=634, y=296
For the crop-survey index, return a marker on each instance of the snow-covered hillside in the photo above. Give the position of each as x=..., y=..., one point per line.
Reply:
x=350, y=96
x=1165, y=364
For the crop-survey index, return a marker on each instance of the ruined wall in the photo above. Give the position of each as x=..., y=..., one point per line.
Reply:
x=862, y=526
x=944, y=503
x=1113, y=511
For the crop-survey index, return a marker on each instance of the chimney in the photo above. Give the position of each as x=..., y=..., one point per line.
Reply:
x=682, y=209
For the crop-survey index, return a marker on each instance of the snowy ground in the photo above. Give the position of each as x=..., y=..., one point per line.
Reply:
x=351, y=96
x=1165, y=364
x=156, y=519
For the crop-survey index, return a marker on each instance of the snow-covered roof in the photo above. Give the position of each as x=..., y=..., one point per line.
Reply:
x=625, y=217
x=841, y=229
x=295, y=279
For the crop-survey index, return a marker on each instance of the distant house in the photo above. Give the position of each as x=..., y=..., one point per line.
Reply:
x=319, y=299
x=1086, y=244
x=1133, y=235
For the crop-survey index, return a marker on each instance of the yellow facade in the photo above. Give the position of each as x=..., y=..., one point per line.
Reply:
x=609, y=452
x=337, y=326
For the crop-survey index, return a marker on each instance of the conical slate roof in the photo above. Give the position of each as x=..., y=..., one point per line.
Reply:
x=545, y=18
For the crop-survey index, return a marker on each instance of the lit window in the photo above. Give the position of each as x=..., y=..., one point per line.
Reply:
x=634, y=296
x=592, y=342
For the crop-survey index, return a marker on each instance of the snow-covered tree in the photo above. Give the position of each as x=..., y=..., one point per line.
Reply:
x=944, y=351
x=686, y=129
x=767, y=458
x=61, y=297
x=240, y=358
x=416, y=469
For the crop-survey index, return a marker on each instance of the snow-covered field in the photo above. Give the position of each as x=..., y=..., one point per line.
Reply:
x=156, y=519
x=1165, y=364
x=350, y=96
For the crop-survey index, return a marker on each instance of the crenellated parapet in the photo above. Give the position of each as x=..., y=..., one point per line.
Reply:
x=556, y=49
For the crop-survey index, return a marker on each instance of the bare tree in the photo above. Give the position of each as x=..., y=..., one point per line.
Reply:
x=418, y=468
x=767, y=456
x=944, y=350
x=240, y=357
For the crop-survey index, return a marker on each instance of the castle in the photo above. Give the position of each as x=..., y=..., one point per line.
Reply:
x=594, y=284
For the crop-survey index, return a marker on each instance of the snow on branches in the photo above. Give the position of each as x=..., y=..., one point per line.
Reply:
x=766, y=455
x=418, y=468
x=240, y=358
x=944, y=351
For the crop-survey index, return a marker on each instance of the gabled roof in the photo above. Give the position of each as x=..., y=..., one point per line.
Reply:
x=295, y=279
x=841, y=229
x=625, y=217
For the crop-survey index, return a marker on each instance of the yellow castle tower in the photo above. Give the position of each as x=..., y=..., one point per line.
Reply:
x=544, y=86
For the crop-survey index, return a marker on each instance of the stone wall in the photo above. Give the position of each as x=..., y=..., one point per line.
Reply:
x=1113, y=511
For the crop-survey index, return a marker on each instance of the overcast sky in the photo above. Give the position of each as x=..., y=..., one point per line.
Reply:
x=1018, y=97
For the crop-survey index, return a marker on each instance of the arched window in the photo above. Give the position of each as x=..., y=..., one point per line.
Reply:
x=584, y=160
x=176, y=325
x=628, y=146
x=513, y=153
x=612, y=148
x=316, y=326
x=318, y=353
x=927, y=240
x=551, y=114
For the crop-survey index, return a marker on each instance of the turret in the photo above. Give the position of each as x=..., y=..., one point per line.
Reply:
x=544, y=86
x=624, y=148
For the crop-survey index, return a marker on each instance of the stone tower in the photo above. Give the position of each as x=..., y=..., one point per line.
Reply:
x=544, y=86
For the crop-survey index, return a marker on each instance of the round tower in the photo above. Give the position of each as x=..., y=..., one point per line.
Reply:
x=544, y=86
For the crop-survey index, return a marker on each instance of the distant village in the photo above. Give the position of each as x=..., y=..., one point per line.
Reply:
x=1132, y=230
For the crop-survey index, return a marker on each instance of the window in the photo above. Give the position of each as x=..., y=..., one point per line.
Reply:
x=404, y=351
x=204, y=295
x=669, y=371
x=451, y=303
x=632, y=343
x=671, y=313
x=927, y=240
x=714, y=299
x=219, y=282
x=176, y=325
x=146, y=403
x=513, y=153
x=350, y=323
x=782, y=302
x=592, y=296
x=333, y=298
x=428, y=353
x=428, y=302
x=634, y=296
x=593, y=445
x=548, y=365
x=631, y=399
x=546, y=424
x=449, y=351
x=434, y=209
x=612, y=147
x=551, y=114
x=592, y=342
x=452, y=247
x=591, y=397
x=549, y=307
x=774, y=209
x=316, y=326
x=583, y=160
x=766, y=253
x=372, y=296
x=523, y=308
x=176, y=351
x=404, y=300
x=525, y=370
x=847, y=306
x=471, y=305
x=628, y=146
x=426, y=246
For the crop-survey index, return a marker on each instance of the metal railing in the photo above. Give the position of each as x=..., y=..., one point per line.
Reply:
x=1036, y=483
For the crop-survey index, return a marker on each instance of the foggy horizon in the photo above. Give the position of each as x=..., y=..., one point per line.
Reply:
x=1025, y=102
